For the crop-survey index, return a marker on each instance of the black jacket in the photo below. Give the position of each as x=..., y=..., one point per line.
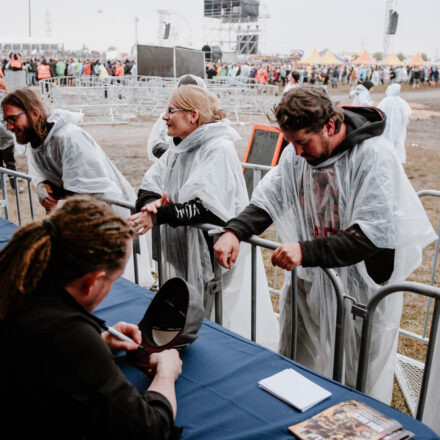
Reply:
x=344, y=248
x=60, y=380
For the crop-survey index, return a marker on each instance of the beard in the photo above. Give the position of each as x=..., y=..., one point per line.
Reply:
x=326, y=152
x=25, y=135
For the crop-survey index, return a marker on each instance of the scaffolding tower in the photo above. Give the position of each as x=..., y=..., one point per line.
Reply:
x=235, y=25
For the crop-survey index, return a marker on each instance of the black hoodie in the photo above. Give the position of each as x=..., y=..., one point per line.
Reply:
x=344, y=248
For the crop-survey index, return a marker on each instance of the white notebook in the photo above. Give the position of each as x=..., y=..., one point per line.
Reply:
x=293, y=388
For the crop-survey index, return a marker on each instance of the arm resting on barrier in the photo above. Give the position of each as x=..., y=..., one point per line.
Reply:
x=344, y=248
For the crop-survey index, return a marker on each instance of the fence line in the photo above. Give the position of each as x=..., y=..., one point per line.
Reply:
x=116, y=100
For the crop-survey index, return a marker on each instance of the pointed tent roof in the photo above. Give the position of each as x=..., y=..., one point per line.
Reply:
x=392, y=60
x=329, y=58
x=313, y=58
x=417, y=60
x=363, y=58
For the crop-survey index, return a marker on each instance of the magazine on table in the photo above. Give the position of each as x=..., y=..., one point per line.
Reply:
x=352, y=420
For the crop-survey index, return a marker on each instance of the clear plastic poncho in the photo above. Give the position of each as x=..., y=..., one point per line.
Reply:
x=205, y=166
x=70, y=158
x=361, y=96
x=397, y=112
x=366, y=186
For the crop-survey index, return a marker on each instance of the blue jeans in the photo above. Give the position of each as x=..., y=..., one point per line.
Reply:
x=31, y=78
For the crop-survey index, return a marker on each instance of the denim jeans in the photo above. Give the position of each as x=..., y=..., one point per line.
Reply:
x=31, y=78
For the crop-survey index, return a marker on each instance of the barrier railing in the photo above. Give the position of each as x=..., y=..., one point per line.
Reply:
x=15, y=177
x=213, y=295
x=117, y=100
x=367, y=313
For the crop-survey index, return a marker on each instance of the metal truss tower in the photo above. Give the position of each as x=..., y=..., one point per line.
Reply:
x=227, y=26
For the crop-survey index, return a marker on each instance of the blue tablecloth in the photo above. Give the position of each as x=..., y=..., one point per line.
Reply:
x=218, y=395
x=6, y=230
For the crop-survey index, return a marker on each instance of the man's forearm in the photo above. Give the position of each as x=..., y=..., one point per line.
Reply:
x=251, y=221
x=344, y=248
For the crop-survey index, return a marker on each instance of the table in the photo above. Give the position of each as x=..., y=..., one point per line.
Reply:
x=217, y=393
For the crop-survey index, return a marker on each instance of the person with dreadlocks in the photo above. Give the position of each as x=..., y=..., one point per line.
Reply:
x=58, y=374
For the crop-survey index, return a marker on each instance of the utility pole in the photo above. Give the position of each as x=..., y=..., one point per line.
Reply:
x=136, y=20
x=29, y=9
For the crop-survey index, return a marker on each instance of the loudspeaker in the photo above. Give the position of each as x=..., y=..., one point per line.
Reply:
x=166, y=33
x=392, y=22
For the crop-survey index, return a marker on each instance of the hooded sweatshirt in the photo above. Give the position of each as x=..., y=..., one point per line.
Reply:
x=346, y=247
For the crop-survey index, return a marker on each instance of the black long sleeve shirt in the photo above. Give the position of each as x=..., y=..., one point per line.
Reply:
x=60, y=380
x=344, y=248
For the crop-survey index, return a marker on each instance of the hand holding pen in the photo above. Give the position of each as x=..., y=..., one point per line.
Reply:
x=122, y=336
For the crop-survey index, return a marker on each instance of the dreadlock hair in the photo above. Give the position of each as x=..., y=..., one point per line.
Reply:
x=82, y=236
x=307, y=107
x=28, y=101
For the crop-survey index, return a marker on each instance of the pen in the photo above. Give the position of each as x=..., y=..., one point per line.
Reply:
x=121, y=336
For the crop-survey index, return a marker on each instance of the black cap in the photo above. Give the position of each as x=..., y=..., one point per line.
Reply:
x=172, y=320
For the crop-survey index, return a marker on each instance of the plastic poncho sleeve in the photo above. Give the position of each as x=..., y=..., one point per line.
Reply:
x=217, y=193
x=86, y=168
x=385, y=206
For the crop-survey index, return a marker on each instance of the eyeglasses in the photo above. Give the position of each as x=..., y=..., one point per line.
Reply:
x=170, y=111
x=11, y=119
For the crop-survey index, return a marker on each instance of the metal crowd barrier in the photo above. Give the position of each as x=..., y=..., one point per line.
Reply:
x=367, y=313
x=116, y=100
x=409, y=371
x=213, y=297
x=15, y=177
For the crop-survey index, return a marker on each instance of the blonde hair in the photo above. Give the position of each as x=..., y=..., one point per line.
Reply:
x=191, y=98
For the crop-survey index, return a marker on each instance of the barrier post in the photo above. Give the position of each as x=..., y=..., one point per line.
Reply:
x=253, y=292
x=368, y=315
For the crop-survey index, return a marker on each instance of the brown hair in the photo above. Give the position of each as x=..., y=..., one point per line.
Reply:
x=307, y=107
x=28, y=101
x=82, y=236
x=191, y=97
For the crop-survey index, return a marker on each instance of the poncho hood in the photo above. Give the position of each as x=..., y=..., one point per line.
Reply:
x=206, y=133
x=59, y=118
x=393, y=90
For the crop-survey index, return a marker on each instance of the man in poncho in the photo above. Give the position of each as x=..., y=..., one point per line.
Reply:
x=397, y=111
x=339, y=199
x=64, y=159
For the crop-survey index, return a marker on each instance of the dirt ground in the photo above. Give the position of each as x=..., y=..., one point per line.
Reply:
x=126, y=146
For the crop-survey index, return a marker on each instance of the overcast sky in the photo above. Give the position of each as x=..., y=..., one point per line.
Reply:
x=341, y=25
